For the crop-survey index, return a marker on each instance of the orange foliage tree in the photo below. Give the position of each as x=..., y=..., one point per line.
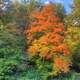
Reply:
x=45, y=37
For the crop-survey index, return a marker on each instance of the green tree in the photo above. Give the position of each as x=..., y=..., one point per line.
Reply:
x=12, y=43
x=11, y=51
x=60, y=11
x=73, y=33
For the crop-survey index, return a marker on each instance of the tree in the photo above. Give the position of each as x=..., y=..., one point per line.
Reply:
x=73, y=33
x=11, y=51
x=12, y=44
x=45, y=39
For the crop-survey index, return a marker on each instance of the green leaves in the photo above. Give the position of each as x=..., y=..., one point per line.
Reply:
x=11, y=50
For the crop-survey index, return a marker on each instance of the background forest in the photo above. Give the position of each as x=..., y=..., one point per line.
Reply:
x=39, y=41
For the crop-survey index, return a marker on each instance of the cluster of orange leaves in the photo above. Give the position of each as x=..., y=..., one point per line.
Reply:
x=61, y=65
x=51, y=40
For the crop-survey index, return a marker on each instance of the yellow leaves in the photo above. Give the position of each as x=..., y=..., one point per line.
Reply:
x=38, y=48
x=72, y=29
x=73, y=36
x=32, y=50
x=44, y=51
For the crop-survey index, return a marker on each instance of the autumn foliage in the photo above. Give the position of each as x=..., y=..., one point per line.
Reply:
x=45, y=39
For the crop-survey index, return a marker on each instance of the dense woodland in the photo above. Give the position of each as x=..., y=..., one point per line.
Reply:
x=39, y=41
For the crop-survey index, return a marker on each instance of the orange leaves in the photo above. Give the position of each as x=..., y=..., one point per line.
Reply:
x=62, y=49
x=46, y=38
x=57, y=30
x=32, y=50
x=37, y=29
x=61, y=65
x=58, y=62
x=38, y=15
x=54, y=38
x=48, y=9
